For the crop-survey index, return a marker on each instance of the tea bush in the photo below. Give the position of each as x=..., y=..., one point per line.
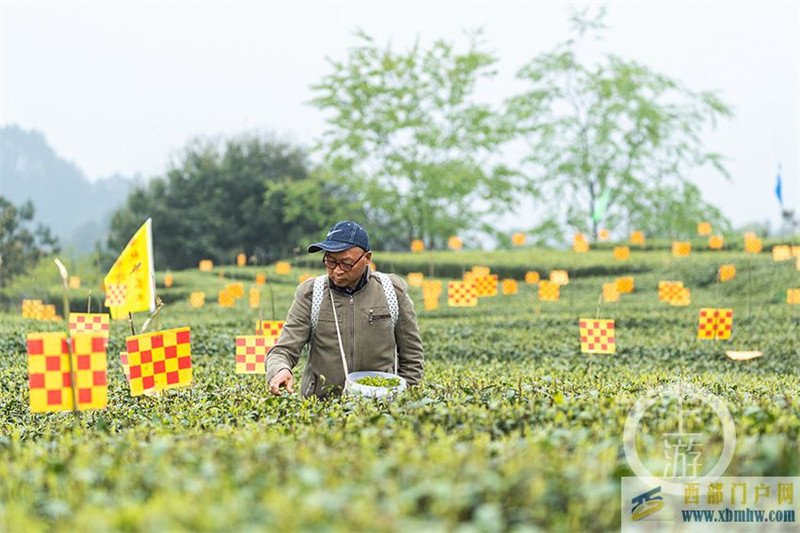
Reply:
x=512, y=427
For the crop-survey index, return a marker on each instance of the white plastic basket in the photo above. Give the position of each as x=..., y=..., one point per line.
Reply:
x=373, y=392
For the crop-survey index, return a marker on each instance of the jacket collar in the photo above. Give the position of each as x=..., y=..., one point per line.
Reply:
x=345, y=290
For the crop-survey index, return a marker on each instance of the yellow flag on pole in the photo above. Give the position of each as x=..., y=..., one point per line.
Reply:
x=133, y=274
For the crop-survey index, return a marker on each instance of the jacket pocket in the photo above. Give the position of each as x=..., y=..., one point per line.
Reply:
x=376, y=313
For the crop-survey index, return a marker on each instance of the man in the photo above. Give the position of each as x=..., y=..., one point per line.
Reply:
x=376, y=318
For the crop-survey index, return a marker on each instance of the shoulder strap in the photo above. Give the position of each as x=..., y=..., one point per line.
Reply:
x=319, y=288
x=394, y=308
x=391, y=296
x=316, y=301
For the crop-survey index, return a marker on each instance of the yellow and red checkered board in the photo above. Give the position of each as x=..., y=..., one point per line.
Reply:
x=40, y=312
x=481, y=270
x=669, y=290
x=254, y=298
x=432, y=289
x=89, y=323
x=622, y=253
x=431, y=302
x=531, y=277
x=610, y=292
x=682, y=298
x=597, y=336
x=461, y=294
x=49, y=375
x=415, y=279
x=270, y=328
x=793, y=296
x=235, y=289
x=727, y=272
x=32, y=309
x=91, y=370
x=715, y=323
x=681, y=248
x=781, y=253
x=486, y=285
x=752, y=245
x=159, y=360
x=251, y=353
x=197, y=299
x=226, y=298
x=509, y=286
x=715, y=242
x=548, y=291
x=625, y=285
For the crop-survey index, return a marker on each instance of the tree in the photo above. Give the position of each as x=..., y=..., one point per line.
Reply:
x=20, y=247
x=405, y=130
x=674, y=210
x=316, y=203
x=223, y=198
x=614, y=133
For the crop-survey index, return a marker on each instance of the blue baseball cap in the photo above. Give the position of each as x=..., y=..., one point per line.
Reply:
x=341, y=236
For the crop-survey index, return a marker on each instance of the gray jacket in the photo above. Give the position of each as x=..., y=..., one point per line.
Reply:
x=366, y=328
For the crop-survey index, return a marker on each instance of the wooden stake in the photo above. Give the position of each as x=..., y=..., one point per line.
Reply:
x=159, y=304
x=65, y=288
x=271, y=296
x=599, y=302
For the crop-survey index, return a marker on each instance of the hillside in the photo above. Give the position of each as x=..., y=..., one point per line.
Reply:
x=76, y=209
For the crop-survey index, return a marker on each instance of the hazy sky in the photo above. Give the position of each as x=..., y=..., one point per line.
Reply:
x=121, y=87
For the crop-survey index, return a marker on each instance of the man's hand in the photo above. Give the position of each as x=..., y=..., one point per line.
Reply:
x=282, y=378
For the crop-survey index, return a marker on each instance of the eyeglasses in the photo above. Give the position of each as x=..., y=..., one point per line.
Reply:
x=331, y=264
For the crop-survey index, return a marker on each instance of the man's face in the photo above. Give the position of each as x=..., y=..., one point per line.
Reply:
x=353, y=256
